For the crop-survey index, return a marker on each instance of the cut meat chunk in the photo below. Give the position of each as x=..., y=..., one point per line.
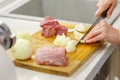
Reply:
x=48, y=18
x=50, y=22
x=48, y=31
x=52, y=26
x=60, y=30
x=48, y=55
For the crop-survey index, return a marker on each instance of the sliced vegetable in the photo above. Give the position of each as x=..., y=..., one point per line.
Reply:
x=81, y=28
x=78, y=35
x=61, y=40
x=71, y=46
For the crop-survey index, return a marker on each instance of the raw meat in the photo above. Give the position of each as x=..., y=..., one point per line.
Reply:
x=48, y=31
x=49, y=25
x=48, y=55
x=60, y=30
x=49, y=22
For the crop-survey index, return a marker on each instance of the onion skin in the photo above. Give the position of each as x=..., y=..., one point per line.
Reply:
x=23, y=49
x=23, y=35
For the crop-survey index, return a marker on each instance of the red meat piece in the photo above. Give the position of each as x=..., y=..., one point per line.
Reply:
x=49, y=55
x=51, y=27
x=60, y=30
x=48, y=31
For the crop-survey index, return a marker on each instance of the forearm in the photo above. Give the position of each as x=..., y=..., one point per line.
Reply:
x=118, y=40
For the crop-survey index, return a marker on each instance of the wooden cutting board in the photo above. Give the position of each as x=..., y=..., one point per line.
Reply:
x=75, y=59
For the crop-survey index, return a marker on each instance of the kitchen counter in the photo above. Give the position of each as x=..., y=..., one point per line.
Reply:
x=86, y=72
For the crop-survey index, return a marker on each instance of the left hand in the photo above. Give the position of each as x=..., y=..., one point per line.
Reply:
x=103, y=32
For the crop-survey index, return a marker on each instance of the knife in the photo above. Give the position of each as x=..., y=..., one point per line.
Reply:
x=103, y=15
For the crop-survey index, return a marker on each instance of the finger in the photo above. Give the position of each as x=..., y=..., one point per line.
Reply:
x=100, y=10
x=95, y=31
x=98, y=5
x=102, y=21
x=98, y=26
x=92, y=34
x=110, y=10
x=94, y=39
x=97, y=13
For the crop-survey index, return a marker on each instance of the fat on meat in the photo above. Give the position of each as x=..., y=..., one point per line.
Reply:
x=48, y=55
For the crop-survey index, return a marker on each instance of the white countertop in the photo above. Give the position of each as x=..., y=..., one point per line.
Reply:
x=86, y=72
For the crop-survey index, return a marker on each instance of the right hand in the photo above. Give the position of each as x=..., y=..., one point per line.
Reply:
x=104, y=5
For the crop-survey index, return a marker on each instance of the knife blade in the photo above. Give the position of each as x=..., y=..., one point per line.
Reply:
x=103, y=15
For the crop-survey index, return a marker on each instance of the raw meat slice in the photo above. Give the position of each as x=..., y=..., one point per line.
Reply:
x=48, y=55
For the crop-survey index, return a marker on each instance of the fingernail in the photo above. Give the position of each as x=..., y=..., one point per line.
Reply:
x=82, y=41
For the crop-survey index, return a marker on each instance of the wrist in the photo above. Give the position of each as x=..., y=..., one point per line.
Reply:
x=118, y=37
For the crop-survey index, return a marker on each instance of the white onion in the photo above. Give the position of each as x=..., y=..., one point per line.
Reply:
x=61, y=40
x=78, y=35
x=22, y=49
x=71, y=30
x=23, y=35
x=71, y=46
x=81, y=28
x=82, y=41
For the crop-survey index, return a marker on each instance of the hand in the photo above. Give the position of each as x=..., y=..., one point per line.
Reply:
x=104, y=5
x=103, y=32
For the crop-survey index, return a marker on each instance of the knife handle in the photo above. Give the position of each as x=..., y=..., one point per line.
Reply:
x=104, y=14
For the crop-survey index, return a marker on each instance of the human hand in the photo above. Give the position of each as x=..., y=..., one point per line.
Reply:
x=103, y=5
x=103, y=32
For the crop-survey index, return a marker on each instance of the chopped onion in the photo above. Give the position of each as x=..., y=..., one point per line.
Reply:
x=78, y=35
x=82, y=41
x=61, y=40
x=71, y=46
x=23, y=49
x=81, y=28
x=71, y=30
